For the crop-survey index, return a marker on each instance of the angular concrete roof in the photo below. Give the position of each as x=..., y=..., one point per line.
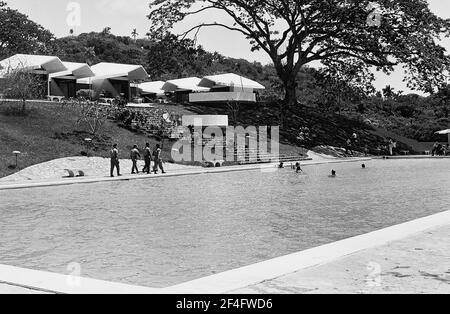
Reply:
x=205, y=120
x=185, y=84
x=48, y=64
x=152, y=87
x=107, y=70
x=230, y=79
x=74, y=70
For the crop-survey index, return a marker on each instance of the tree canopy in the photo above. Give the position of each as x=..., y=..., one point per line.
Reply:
x=334, y=32
x=18, y=34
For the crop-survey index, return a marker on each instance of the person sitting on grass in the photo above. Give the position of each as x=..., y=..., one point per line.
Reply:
x=135, y=156
x=436, y=148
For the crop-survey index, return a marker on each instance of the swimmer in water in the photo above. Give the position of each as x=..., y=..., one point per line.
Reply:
x=298, y=169
x=333, y=174
x=363, y=166
x=281, y=166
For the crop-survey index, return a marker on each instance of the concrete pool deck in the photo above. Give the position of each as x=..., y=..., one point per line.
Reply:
x=407, y=258
x=419, y=264
x=13, y=185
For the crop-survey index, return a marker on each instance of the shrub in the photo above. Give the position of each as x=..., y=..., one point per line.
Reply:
x=85, y=94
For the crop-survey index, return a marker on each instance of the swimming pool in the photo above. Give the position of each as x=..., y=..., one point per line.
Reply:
x=166, y=231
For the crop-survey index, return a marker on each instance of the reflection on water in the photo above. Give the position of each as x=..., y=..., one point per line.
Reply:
x=161, y=232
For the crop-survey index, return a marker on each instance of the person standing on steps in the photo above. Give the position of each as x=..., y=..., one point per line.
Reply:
x=115, y=160
x=158, y=160
x=135, y=156
x=147, y=159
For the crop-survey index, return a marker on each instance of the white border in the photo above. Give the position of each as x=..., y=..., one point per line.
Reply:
x=231, y=280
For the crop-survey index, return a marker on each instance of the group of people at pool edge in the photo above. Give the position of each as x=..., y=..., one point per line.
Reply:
x=135, y=156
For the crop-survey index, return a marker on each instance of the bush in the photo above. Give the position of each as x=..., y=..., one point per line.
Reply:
x=85, y=94
x=406, y=111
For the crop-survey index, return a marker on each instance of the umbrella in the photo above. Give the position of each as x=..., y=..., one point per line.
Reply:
x=444, y=132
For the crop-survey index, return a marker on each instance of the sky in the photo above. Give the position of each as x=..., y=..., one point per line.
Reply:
x=59, y=16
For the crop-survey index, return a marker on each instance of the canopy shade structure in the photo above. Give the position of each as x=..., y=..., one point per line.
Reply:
x=189, y=84
x=153, y=88
x=230, y=80
x=116, y=71
x=444, y=132
x=34, y=63
x=74, y=71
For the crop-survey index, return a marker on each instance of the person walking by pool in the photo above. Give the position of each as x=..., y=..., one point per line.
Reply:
x=147, y=159
x=135, y=156
x=115, y=160
x=158, y=160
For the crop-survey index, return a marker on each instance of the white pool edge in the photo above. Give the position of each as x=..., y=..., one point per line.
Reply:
x=231, y=280
x=65, y=182
x=247, y=276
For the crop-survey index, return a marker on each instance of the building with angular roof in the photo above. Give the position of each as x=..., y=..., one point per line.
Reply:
x=113, y=79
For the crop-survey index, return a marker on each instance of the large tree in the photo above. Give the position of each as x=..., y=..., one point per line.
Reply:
x=169, y=58
x=18, y=34
x=22, y=85
x=377, y=33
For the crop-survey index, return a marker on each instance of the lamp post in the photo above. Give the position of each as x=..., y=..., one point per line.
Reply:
x=16, y=153
x=88, y=142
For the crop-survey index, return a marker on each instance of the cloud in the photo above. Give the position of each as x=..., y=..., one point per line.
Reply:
x=129, y=7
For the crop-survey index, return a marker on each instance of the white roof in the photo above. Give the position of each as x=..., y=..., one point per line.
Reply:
x=49, y=64
x=205, y=120
x=77, y=70
x=444, y=132
x=152, y=87
x=107, y=70
x=228, y=80
x=185, y=84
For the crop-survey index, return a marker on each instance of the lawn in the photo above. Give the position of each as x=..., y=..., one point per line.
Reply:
x=48, y=131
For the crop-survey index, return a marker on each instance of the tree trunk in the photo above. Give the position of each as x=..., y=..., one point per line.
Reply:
x=290, y=98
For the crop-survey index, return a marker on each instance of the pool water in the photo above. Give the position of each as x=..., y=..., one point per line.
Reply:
x=166, y=231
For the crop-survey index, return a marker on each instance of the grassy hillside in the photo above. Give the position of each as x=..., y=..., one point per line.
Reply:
x=48, y=131
x=319, y=128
